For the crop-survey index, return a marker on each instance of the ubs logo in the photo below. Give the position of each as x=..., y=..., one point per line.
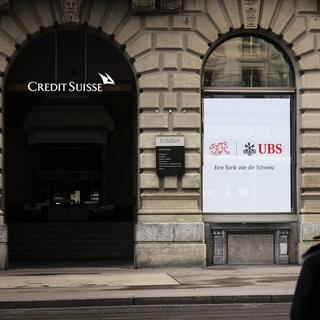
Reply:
x=270, y=148
x=263, y=148
x=227, y=148
x=249, y=149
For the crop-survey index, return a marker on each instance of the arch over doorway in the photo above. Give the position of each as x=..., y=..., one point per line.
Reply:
x=69, y=157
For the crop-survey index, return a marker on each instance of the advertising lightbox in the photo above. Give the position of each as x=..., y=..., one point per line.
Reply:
x=246, y=155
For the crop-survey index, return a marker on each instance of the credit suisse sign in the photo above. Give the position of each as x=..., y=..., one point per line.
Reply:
x=71, y=86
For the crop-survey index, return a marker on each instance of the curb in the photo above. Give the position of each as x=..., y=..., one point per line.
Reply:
x=72, y=303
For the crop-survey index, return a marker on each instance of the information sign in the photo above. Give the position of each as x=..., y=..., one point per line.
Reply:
x=170, y=155
x=247, y=155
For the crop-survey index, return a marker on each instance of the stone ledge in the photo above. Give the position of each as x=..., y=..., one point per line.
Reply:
x=169, y=212
x=310, y=210
x=170, y=254
x=172, y=218
x=170, y=232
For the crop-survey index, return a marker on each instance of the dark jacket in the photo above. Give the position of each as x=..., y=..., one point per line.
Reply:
x=306, y=300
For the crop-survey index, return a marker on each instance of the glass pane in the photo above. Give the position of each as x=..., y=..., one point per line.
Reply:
x=247, y=62
x=247, y=151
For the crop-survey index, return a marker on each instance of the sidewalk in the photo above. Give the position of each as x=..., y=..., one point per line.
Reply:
x=71, y=287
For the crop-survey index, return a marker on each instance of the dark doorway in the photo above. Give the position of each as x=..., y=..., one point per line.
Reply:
x=70, y=156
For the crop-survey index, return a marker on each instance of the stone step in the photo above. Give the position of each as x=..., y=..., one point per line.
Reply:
x=71, y=240
x=72, y=249
x=68, y=236
x=70, y=226
x=75, y=244
x=29, y=255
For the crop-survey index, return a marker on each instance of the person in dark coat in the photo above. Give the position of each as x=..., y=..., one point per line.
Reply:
x=306, y=300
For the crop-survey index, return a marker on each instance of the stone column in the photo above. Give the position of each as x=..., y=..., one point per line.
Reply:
x=3, y=227
x=169, y=228
x=3, y=247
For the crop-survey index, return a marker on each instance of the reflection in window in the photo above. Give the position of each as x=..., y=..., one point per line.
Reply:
x=251, y=77
x=247, y=62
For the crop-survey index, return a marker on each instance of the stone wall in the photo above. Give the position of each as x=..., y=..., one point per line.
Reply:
x=167, y=53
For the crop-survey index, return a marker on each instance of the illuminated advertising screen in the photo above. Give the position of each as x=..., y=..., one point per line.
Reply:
x=246, y=155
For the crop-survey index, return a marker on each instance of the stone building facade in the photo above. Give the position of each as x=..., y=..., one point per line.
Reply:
x=167, y=52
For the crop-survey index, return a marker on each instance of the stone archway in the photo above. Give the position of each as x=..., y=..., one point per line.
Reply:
x=18, y=61
x=67, y=150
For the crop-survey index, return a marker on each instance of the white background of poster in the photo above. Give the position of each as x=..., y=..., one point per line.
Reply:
x=239, y=121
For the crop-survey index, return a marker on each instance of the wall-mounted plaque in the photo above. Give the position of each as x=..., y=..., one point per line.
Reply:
x=170, y=156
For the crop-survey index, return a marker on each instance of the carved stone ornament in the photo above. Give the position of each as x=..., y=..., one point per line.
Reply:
x=251, y=12
x=143, y=5
x=71, y=11
x=4, y=5
x=170, y=5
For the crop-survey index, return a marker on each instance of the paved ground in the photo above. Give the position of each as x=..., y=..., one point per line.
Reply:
x=279, y=311
x=88, y=286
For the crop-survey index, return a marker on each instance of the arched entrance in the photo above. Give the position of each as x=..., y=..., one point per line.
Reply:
x=70, y=150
